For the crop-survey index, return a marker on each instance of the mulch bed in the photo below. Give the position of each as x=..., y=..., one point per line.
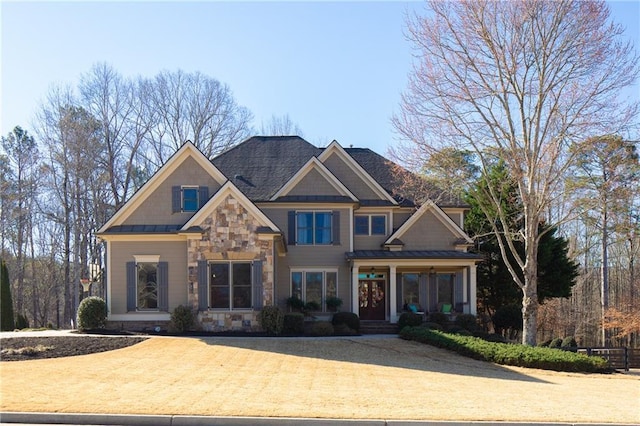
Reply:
x=26, y=348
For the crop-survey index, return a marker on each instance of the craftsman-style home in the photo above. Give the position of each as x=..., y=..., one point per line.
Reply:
x=274, y=218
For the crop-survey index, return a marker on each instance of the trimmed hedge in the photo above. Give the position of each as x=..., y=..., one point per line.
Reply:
x=293, y=323
x=92, y=313
x=507, y=354
x=409, y=319
x=350, y=319
x=271, y=319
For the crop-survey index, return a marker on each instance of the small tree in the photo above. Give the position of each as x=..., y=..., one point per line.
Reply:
x=7, y=322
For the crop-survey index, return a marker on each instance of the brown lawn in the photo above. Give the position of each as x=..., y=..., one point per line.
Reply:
x=350, y=378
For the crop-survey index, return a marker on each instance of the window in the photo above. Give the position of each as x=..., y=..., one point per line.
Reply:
x=445, y=288
x=314, y=228
x=147, y=280
x=147, y=285
x=370, y=225
x=188, y=198
x=230, y=285
x=314, y=286
x=410, y=289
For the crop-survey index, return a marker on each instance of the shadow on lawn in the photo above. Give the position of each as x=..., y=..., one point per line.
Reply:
x=387, y=351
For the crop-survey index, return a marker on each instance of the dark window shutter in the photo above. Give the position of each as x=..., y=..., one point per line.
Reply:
x=423, y=283
x=131, y=286
x=203, y=195
x=291, y=228
x=336, y=228
x=458, y=292
x=399, y=298
x=256, y=276
x=203, y=285
x=176, y=199
x=163, y=286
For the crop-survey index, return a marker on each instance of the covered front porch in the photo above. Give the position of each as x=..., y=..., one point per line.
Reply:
x=386, y=283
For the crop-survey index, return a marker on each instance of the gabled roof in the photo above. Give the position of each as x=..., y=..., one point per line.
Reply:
x=187, y=150
x=437, y=211
x=313, y=164
x=335, y=148
x=229, y=189
x=261, y=165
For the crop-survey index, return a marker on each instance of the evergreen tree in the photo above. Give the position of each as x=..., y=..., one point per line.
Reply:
x=557, y=273
x=7, y=322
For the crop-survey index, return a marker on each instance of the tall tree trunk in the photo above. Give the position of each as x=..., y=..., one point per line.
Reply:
x=604, y=275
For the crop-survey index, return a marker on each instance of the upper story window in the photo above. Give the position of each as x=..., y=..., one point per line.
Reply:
x=314, y=228
x=189, y=198
x=370, y=225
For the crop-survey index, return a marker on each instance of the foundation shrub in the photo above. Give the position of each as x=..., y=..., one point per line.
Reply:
x=350, y=319
x=92, y=313
x=409, y=319
x=507, y=354
x=182, y=319
x=432, y=326
x=271, y=319
x=322, y=328
x=467, y=321
x=439, y=318
x=343, y=330
x=293, y=323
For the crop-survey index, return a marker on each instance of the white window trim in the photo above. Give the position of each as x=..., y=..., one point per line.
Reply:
x=369, y=217
x=330, y=212
x=324, y=271
x=146, y=258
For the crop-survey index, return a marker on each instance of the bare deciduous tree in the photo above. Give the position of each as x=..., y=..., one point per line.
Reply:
x=280, y=126
x=520, y=81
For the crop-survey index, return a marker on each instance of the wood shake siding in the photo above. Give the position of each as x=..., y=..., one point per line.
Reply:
x=156, y=209
x=350, y=179
x=173, y=252
x=428, y=233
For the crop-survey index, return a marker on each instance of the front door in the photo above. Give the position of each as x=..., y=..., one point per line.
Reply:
x=372, y=300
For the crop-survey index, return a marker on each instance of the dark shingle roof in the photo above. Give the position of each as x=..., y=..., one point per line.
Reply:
x=261, y=165
x=411, y=254
x=144, y=229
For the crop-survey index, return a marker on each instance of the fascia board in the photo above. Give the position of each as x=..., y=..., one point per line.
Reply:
x=373, y=184
x=187, y=150
x=230, y=189
x=314, y=164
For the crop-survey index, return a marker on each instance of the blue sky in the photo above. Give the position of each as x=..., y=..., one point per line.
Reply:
x=336, y=68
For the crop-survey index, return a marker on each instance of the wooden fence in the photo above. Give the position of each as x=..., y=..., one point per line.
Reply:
x=619, y=358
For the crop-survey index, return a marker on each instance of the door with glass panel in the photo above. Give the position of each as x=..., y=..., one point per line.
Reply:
x=371, y=298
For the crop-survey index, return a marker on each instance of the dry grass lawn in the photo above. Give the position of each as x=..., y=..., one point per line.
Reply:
x=361, y=377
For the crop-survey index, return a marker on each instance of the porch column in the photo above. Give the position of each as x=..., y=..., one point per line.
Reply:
x=393, y=297
x=472, y=294
x=355, y=301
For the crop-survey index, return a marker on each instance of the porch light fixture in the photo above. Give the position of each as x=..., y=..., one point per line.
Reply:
x=432, y=271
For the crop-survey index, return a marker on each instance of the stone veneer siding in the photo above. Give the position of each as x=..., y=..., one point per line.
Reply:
x=230, y=234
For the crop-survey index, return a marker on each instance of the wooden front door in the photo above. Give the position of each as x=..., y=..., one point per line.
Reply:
x=372, y=300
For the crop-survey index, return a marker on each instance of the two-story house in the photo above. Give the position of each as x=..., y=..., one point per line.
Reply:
x=276, y=217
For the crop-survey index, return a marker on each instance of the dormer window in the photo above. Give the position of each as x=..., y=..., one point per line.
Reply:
x=189, y=198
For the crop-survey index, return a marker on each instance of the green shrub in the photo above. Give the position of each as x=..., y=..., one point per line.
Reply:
x=333, y=303
x=507, y=354
x=545, y=344
x=92, y=313
x=343, y=330
x=467, y=321
x=295, y=304
x=312, y=306
x=569, y=342
x=271, y=319
x=556, y=343
x=410, y=319
x=460, y=331
x=293, y=323
x=322, y=328
x=350, y=319
x=182, y=319
x=439, y=318
x=432, y=326
x=22, y=321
